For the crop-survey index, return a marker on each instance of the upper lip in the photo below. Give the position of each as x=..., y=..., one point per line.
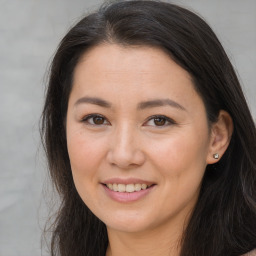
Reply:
x=127, y=181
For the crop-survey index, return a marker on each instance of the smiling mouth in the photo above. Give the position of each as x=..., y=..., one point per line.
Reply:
x=130, y=188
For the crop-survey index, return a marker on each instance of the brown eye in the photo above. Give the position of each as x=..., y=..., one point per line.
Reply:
x=95, y=119
x=159, y=121
x=98, y=120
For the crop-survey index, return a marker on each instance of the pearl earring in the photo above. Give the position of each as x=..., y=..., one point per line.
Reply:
x=216, y=156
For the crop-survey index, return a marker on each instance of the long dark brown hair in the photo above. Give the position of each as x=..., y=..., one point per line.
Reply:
x=223, y=222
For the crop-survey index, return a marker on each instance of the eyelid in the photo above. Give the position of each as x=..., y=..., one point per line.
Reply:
x=169, y=120
x=87, y=117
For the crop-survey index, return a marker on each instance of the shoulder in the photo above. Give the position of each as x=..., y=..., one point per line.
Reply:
x=251, y=253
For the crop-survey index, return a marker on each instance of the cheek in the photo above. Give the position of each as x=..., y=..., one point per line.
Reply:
x=179, y=151
x=181, y=159
x=181, y=164
x=85, y=153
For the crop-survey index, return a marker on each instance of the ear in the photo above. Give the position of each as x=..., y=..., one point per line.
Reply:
x=221, y=132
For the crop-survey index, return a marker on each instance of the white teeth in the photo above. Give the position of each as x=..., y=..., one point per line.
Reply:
x=137, y=187
x=110, y=186
x=121, y=187
x=143, y=186
x=115, y=187
x=127, y=188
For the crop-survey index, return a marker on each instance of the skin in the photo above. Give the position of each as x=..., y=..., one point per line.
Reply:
x=127, y=142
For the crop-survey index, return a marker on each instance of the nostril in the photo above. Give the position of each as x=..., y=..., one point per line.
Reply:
x=126, y=158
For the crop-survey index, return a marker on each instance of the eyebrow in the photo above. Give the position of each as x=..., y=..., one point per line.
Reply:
x=94, y=101
x=160, y=103
x=143, y=105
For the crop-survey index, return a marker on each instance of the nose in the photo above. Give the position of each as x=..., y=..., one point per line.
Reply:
x=125, y=151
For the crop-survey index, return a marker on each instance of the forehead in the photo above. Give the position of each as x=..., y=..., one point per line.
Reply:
x=133, y=72
x=118, y=58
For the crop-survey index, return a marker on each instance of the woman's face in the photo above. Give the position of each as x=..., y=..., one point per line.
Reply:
x=137, y=137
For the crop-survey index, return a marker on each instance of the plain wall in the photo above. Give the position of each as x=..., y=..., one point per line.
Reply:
x=29, y=33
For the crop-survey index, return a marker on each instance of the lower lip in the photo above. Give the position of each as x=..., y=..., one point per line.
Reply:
x=125, y=197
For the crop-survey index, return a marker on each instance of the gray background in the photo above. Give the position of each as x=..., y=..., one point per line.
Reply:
x=29, y=33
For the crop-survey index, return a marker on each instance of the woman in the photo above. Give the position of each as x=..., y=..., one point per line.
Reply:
x=149, y=139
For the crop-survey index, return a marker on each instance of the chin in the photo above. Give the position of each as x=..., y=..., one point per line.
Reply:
x=130, y=222
x=127, y=227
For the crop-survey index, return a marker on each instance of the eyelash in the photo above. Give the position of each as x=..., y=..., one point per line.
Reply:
x=163, y=118
x=91, y=116
x=166, y=119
